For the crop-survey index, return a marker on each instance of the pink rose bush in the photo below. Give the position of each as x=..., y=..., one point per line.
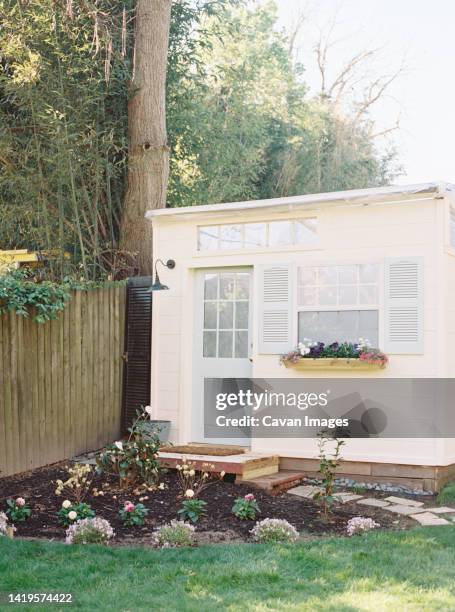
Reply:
x=133, y=515
x=18, y=511
x=246, y=508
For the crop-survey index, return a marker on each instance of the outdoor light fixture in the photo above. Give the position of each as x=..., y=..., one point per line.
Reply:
x=157, y=284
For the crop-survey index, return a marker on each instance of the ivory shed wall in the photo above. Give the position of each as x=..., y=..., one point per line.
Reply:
x=361, y=232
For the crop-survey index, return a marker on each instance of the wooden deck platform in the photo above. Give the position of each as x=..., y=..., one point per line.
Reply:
x=244, y=465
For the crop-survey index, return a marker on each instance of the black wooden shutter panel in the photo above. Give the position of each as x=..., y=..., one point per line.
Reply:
x=138, y=336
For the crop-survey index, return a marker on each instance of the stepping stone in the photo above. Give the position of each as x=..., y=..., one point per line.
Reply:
x=347, y=497
x=441, y=510
x=306, y=491
x=372, y=501
x=406, y=510
x=428, y=519
x=401, y=501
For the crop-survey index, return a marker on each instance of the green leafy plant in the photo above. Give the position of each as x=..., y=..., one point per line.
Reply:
x=18, y=510
x=246, y=508
x=133, y=515
x=192, y=509
x=19, y=293
x=175, y=534
x=328, y=464
x=70, y=513
x=134, y=460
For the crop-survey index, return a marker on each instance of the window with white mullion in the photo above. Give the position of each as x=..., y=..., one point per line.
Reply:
x=338, y=303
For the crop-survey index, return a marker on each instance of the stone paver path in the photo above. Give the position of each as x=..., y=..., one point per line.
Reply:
x=306, y=491
x=398, y=505
x=402, y=509
x=372, y=501
x=347, y=497
x=404, y=502
x=428, y=519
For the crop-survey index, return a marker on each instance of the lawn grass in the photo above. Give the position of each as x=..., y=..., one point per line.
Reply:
x=413, y=570
x=447, y=495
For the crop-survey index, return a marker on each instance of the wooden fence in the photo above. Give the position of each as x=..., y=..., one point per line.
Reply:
x=61, y=381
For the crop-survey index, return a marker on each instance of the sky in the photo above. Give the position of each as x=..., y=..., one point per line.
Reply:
x=419, y=32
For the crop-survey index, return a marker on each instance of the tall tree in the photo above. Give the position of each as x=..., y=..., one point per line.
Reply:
x=148, y=151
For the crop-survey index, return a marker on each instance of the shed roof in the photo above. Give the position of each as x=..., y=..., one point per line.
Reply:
x=309, y=200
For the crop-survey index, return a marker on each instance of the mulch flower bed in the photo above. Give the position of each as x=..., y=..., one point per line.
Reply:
x=38, y=488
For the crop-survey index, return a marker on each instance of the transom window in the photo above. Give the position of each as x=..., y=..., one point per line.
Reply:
x=338, y=303
x=254, y=235
x=226, y=314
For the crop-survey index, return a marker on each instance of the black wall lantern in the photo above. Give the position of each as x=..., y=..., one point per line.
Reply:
x=157, y=284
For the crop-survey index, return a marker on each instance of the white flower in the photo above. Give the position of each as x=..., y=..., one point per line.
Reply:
x=222, y=474
x=66, y=503
x=161, y=486
x=148, y=410
x=189, y=493
x=72, y=515
x=192, y=472
x=119, y=445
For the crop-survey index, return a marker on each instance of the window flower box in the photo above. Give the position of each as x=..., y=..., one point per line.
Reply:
x=333, y=363
x=311, y=355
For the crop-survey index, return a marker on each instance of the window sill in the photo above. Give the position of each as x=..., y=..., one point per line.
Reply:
x=336, y=363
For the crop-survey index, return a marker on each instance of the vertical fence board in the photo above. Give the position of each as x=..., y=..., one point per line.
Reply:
x=61, y=381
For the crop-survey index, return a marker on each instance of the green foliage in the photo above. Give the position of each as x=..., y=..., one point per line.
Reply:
x=135, y=460
x=133, y=515
x=17, y=511
x=328, y=464
x=21, y=293
x=447, y=495
x=246, y=508
x=63, y=88
x=45, y=299
x=247, y=126
x=241, y=123
x=82, y=511
x=192, y=509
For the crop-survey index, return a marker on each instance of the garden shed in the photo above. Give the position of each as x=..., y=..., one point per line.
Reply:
x=254, y=278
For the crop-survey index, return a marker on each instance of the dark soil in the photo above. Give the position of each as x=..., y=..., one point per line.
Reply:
x=38, y=488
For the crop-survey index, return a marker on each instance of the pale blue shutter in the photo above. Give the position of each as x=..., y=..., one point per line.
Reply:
x=404, y=306
x=275, y=303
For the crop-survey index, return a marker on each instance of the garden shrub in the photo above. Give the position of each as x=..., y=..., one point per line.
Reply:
x=175, y=534
x=274, y=530
x=90, y=531
x=69, y=512
x=133, y=515
x=18, y=510
x=360, y=524
x=192, y=509
x=134, y=460
x=77, y=485
x=246, y=508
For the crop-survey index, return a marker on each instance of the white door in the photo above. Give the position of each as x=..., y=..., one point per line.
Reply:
x=222, y=336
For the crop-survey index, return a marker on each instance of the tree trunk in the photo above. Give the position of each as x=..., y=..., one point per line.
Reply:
x=148, y=153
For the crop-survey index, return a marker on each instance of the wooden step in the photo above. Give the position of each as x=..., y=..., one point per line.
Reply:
x=276, y=483
x=245, y=466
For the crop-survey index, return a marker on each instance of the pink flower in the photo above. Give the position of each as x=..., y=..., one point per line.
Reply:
x=129, y=506
x=20, y=501
x=249, y=497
